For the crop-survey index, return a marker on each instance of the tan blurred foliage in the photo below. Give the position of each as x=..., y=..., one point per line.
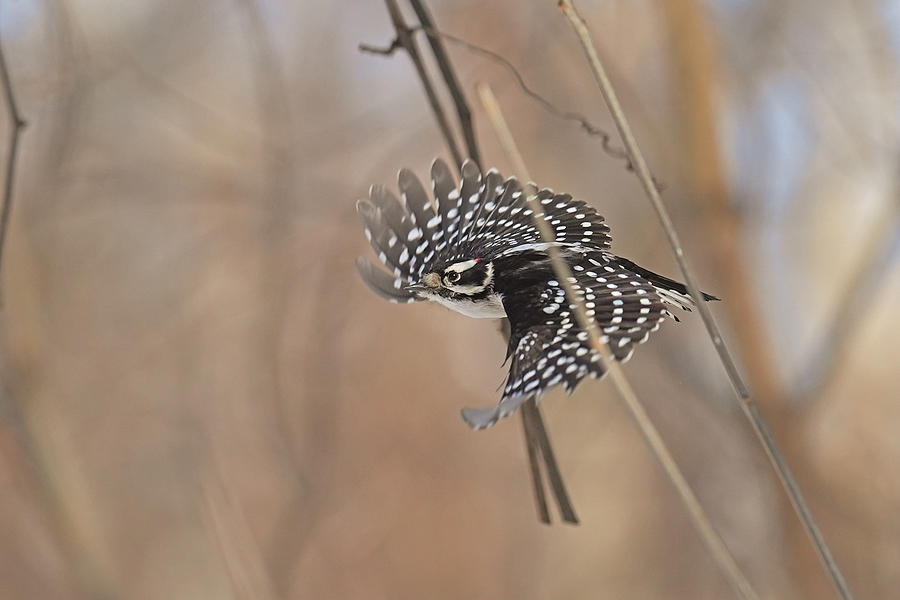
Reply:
x=202, y=400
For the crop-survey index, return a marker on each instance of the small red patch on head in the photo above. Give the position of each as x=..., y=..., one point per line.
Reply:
x=479, y=259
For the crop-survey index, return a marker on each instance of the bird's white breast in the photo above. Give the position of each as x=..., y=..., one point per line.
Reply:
x=488, y=308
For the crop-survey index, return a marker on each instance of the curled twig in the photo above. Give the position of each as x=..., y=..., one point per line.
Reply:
x=606, y=139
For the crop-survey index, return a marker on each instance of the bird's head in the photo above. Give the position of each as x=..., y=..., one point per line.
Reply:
x=462, y=280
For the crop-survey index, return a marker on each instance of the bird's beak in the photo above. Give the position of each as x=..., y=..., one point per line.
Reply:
x=428, y=283
x=415, y=288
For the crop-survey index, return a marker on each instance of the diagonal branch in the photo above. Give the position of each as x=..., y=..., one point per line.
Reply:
x=536, y=432
x=537, y=441
x=405, y=40
x=534, y=459
x=463, y=112
x=747, y=403
x=699, y=518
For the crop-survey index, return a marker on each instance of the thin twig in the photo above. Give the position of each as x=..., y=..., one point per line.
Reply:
x=405, y=40
x=538, y=433
x=537, y=441
x=534, y=453
x=698, y=516
x=434, y=37
x=606, y=140
x=747, y=404
x=459, y=99
x=17, y=123
x=536, y=436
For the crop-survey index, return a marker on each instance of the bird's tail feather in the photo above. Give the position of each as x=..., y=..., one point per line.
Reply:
x=662, y=282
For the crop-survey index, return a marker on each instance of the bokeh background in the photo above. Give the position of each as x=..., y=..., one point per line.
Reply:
x=200, y=399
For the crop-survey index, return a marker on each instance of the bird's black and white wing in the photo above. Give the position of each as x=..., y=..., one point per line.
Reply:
x=547, y=347
x=488, y=218
x=482, y=216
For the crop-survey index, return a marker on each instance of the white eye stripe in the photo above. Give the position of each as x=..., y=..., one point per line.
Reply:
x=452, y=276
x=461, y=266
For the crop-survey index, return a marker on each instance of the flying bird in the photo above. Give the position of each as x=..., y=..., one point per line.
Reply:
x=475, y=249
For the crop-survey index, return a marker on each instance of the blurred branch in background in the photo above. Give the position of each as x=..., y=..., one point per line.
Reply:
x=64, y=498
x=200, y=400
x=57, y=481
x=878, y=256
x=240, y=552
x=696, y=70
x=16, y=124
x=255, y=570
x=745, y=399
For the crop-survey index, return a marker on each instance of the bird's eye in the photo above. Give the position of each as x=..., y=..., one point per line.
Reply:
x=452, y=277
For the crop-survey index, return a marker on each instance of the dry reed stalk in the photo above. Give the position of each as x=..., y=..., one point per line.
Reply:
x=699, y=518
x=748, y=405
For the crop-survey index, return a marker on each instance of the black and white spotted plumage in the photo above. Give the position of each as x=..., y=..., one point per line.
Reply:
x=476, y=249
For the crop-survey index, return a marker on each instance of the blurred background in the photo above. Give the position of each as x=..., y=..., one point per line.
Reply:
x=200, y=399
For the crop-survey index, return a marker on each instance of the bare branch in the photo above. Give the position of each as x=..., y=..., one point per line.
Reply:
x=550, y=107
x=534, y=453
x=537, y=432
x=746, y=402
x=434, y=36
x=694, y=54
x=381, y=50
x=537, y=441
x=464, y=113
x=405, y=40
x=564, y=275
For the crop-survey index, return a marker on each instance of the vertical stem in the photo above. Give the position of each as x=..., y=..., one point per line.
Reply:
x=699, y=518
x=534, y=454
x=459, y=99
x=746, y=402
x=537, y=441
x=405, y=39
x=539, y=437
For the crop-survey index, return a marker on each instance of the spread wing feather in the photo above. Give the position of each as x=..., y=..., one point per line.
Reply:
x=548, y=348
x=482, y=216
x=485, y=216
